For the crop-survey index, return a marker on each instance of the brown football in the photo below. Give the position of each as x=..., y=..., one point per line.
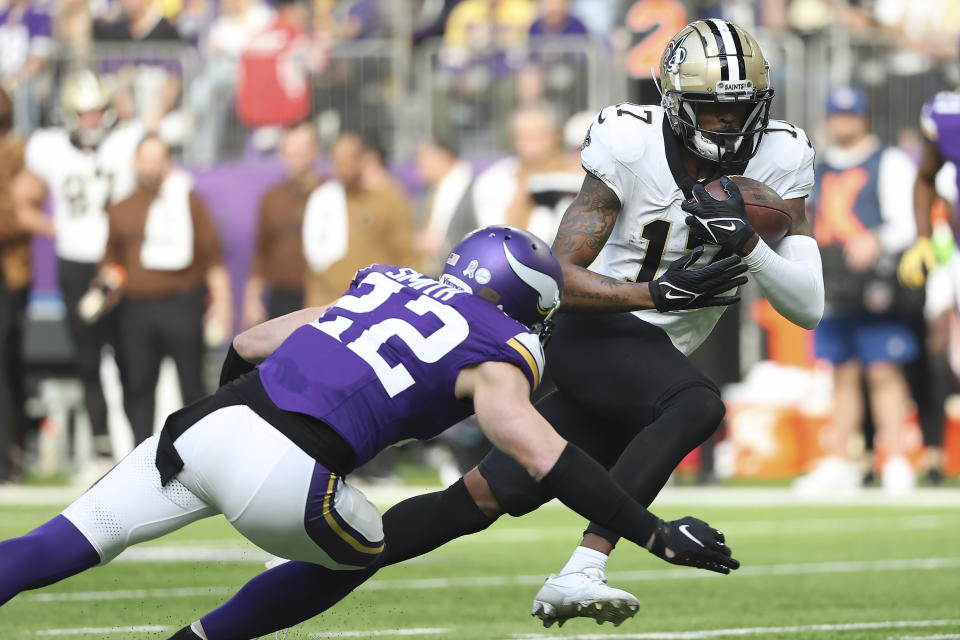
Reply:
x=766, y=210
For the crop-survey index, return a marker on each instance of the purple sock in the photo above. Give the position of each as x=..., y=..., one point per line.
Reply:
x=281, y=598
x=51, y=552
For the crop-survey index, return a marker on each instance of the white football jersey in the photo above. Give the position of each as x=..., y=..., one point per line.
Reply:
x=628, y=147
x=81, y=184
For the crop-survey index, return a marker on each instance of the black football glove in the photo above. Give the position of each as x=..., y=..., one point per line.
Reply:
x=681, y=287
x=692, y=543
x=720, y=222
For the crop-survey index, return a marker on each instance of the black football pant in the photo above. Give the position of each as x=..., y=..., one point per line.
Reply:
x=13, y=308
x=88, y=341
x=151, y=329
x=624, y=394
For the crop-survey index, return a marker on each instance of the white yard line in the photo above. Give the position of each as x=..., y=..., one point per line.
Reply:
x=378, y=633
x=938, y=636
x=745, y=631
x=129, y=594
x=916, y=564
x=100, y=630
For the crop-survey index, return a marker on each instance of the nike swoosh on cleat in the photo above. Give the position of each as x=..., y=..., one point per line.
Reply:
x=600, y=117
x=683, y=529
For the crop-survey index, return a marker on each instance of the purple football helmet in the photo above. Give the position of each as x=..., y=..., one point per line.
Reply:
x=511, y=268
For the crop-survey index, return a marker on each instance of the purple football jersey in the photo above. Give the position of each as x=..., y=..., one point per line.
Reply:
x=940, y=121
x=380, y=366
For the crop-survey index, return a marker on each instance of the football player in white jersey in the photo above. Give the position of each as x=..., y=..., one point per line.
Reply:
x=626, y=391
x=84, y=166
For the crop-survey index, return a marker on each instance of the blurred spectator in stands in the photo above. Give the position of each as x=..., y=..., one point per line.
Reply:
x=555, y=19
x=163, y=238
x=141, y=21
x=479, y=24
x=431, y=19
x=349, y=91
x=73, y=27
x=26, y=46
x=915, y=38
x=212, y=92
x=14, y=288
x=925, y=30
x=278, y=262
x=346, y=20
x=362, y=216
x=450, y=214
x=862, y=217
x=149, y=78
x=545, y=182
x=599, y=16
x=273, y=90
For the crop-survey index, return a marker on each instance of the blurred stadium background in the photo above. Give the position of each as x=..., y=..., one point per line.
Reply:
x=501, y=91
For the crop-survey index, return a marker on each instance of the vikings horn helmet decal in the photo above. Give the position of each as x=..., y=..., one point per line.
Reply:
x=515, y=270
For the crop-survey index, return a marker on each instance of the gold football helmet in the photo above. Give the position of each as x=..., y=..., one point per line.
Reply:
x=710, y=62
x=84, y=92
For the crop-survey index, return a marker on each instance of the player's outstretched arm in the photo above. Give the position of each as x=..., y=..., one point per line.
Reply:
x=500, y=393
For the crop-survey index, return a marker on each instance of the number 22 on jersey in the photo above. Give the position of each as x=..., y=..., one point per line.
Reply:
x=428, y=349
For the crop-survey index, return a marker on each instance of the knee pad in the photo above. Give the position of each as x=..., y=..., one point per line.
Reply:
x=697, y=409
x=517, y=498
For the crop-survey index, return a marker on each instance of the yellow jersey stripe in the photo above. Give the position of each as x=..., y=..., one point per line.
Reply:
x=531, y=361
x=328, y=516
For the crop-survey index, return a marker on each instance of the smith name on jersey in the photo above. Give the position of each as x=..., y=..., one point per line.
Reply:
x=407, y=337
x=634, y=151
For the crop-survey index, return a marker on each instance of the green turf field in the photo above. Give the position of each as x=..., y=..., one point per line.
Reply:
x=817, y=572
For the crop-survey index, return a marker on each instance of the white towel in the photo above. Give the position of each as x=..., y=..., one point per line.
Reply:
x=325, y=226
x=168, y=234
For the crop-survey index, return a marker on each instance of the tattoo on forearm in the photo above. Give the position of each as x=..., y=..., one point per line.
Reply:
x=589, y=219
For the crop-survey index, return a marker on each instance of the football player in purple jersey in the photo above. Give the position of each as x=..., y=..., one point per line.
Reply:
x=398, y=356
x=940, y=123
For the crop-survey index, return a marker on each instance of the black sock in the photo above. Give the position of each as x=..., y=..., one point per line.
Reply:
x=420, y=524
x=185, y=634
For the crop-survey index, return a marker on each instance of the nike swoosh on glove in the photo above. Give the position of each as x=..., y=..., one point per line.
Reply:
x=720, y=222
x=692, y=543
x=681, y=287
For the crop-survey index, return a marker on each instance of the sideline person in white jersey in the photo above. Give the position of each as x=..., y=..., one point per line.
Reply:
x=626, y=392
x=83, y=166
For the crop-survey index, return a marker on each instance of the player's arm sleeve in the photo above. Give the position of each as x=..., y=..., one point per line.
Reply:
x=791, y=278
x=899, y=228
x=603, y=151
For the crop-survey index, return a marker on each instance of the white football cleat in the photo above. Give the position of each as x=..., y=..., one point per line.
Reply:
x=582, y=594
